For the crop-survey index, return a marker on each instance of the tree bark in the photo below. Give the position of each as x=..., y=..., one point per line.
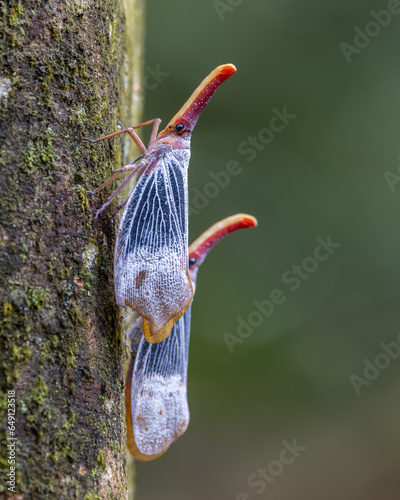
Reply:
x=69, y=69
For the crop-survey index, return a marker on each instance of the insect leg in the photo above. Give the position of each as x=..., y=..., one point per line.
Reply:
x=116, y=192
x=134, y=334
x=132, y=133
x=121, y=205
x=130, y=163
x=154, y=131
x=156, y=123
x=126, y=168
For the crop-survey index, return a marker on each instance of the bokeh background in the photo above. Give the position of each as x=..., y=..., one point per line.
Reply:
x=331, y=171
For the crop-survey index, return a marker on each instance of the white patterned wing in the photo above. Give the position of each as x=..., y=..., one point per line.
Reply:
x=151, y=256
x=160, y=412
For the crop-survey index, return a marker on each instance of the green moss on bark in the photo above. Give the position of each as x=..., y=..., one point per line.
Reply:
x=64, y=65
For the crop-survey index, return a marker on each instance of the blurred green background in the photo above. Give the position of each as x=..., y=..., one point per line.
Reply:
x=323, y=174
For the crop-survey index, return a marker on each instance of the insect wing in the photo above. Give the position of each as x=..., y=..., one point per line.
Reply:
x=157, y=400
x=151, y=257
x=157, y=411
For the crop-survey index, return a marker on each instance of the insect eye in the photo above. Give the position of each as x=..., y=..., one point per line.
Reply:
x=192, y=261
x=179, y=127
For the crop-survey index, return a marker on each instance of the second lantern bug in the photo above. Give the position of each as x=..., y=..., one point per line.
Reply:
x=157, y=411
x=151, y=273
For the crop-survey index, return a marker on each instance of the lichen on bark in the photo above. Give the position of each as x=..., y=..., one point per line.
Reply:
x=67, y=71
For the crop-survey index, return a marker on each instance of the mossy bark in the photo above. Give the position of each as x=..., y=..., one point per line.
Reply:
x=69, y=69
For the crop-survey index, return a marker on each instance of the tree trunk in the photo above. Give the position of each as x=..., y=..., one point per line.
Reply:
x=69, y=69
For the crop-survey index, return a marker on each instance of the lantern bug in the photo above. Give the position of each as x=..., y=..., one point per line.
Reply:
x=157, y=412
x=151, y=273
